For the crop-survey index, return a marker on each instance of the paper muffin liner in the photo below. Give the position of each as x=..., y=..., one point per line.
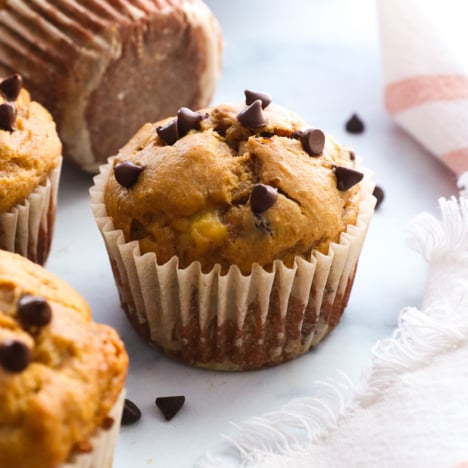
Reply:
x=233, y=321
x=102, y=443
x=28, y=227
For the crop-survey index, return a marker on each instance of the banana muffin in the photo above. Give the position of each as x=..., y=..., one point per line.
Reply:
x=61, y=375
x=102, y=68
x=233, y=232
x=30, y=162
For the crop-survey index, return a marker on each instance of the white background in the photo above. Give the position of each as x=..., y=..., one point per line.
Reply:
x=320, y=59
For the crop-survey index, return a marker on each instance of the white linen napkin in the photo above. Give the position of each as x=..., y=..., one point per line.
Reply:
x=425, y=66
x=411, y=408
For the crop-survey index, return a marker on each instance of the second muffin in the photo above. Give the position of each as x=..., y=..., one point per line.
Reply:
x=233, y=233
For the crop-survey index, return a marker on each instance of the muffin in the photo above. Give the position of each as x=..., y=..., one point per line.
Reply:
x=233, y=232
x=102, y=68
x=30, y=161
x=61, y=375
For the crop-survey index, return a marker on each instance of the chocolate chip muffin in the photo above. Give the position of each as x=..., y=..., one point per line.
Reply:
x=234, y=232
x=102, y=68
x=30, y=161
x=61, y=375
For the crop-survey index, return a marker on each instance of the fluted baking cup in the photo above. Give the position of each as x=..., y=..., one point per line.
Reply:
x=27, y=228
x=102, y=443
x=233, y=321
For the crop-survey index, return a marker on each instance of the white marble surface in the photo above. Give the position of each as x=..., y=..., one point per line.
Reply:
x=320, y=59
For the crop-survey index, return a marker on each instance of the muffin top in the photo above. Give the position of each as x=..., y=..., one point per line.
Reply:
x=60, y=373
x=233, y=185
x=29, y=146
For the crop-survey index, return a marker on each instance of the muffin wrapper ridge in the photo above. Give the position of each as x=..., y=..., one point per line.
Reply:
x=233, y=321
x=28, y=227
x=103, y=442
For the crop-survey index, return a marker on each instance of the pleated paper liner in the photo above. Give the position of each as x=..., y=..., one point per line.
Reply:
x=233, y=321
x=27, y=228
x=102, y=443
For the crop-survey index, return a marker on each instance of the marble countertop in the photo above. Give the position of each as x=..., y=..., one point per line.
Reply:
x=321, y=60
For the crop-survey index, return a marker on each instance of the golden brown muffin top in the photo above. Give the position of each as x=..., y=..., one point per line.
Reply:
x=60, y=373
x=29, y=146
x=233, y=185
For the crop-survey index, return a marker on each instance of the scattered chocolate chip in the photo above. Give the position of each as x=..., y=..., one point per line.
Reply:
x=187, y=120
x=7, y=117
x=346, y=177
x=107, y=423
x=252, y=116
x=379, y=194
x=252, y=96
x=131, y=413
x=126, y=173
x=170, y=405
x=313, y=141
x=169, y=132
x=262, y=197
x=34, y=311
x=354, y=124
x=352, y=156
x=11, y=86
x=15, y=356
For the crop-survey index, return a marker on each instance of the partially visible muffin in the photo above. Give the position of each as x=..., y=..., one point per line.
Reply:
x=30, y=161
x=234, y=232
x=61, y=375
x=103, y=68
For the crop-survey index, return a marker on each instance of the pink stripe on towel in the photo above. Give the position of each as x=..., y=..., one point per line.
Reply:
x=412, y=92
x=457, y=160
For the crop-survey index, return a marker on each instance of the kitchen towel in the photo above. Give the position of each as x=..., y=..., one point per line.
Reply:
x=425, y=70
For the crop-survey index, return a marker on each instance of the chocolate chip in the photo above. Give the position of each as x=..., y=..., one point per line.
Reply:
x=252, y=116
x=354, y=124
x=169, y=132
x=11, y=86
x=352, y=156
x=263, y=224
x=297, y=135
x=252, y=96
x=313, y=141
x=131, y=413
x=346, y=177
x=187, y=120
x=170, y=405
x=107, y=423
x=126, y=173
x=262, y=197
x=15, y=356
x=379, y=194
x=7, y=117
x=34, y=311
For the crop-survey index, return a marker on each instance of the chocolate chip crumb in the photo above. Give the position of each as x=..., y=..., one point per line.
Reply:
x=352, y=156
x=262, y=197
x=379, y=194
x=126, y=173
x=169, y=132
x=346, y=177
x=170, y=405
x=33, y=311
x=131, y=413
x=187, y=120
x=313, y=141
x=354, y=124
x=107, y=423
x=7, y=116
x=252, y=96
x=11, y=86
x=15, y=356
x=252, y=116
